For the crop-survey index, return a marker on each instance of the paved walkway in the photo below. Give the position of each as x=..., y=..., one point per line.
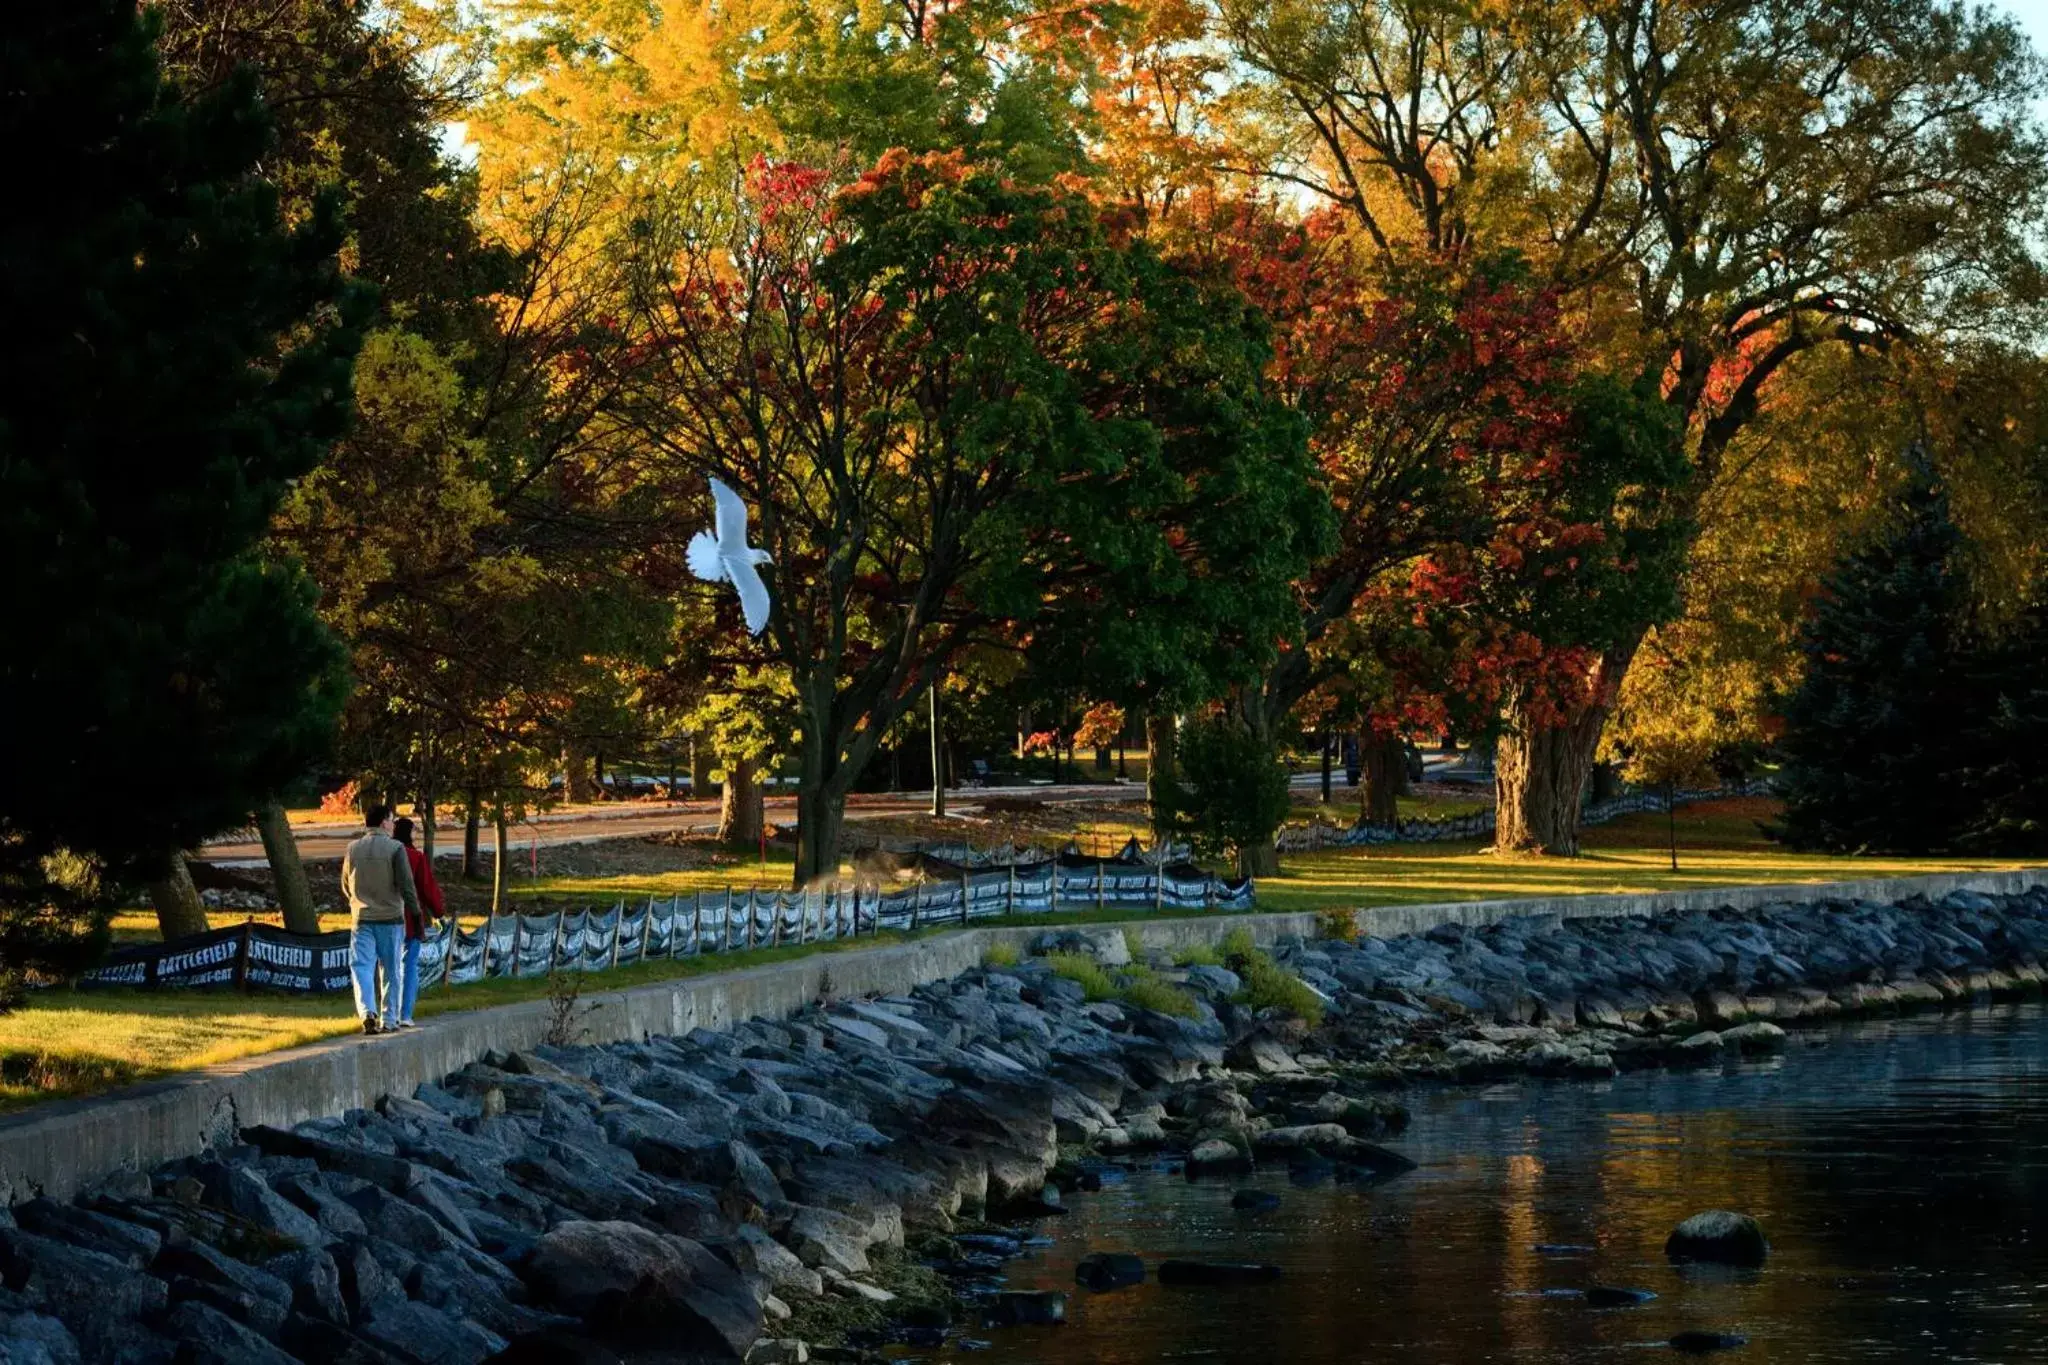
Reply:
x=627, y=819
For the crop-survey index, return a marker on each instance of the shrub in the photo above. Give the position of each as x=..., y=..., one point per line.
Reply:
x=1148, y=992
x=1201, y=955
x=1000, y=955
x=1229, y=792
x=1084, y=969
x=1268, y=985
x=1134, y=945
x=1341, y=925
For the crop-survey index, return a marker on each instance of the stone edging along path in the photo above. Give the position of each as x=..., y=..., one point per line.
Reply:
x=59, y=1148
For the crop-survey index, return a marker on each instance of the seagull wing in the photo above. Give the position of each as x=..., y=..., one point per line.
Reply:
x=753, y=593
x=705, y=561
x=731, y=520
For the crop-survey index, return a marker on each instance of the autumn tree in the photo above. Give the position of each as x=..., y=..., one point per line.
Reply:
x=178, y=358
x=944, y=392
x=1726, y=186
x=1440, y=399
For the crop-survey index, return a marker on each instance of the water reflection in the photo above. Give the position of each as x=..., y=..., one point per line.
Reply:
x=1901, y=1170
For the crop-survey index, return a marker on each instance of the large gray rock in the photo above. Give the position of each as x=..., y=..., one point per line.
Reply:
x=36, y=1339
x=129, y=1243
x=366, y=1285
x=210, y=1265
x=450, y=1283
x=429, y=1336
x=249, y=1196
x=1721, y=1237
x=391, y=1172
x=760, y=1255
x=315, y=1284
x=635, y=1286
x=398, y=1221
x=318, y=1197
x=80, y=1287
x=1219, y=982
x=212, y=1336
x=826, y=1239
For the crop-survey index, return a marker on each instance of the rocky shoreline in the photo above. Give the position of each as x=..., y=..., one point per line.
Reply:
x=810, y=1188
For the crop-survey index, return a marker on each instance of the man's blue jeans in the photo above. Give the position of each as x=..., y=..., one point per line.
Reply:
x=377, y=945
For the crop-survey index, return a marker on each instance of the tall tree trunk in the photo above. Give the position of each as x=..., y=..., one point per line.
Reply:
x=702, y=761
x=294, y=896
x=501, y=862
x=576, y=773
x=470, y=818
x=1329, y=741
x=179, y=911
x=739, y=812
x=1159, y=742
x=820, y=822
x=1540, y=770
x=1385, y=765
x=429, y=825
x=1260, y=860
x=938, y=756
x=597, y=772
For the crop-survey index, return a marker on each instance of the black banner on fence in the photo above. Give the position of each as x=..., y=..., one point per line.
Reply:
x=209, y=959
x=298, y=962
x=247, y=955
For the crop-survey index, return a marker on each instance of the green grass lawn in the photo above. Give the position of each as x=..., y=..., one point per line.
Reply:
x=1719, y=844
x=64, y=1042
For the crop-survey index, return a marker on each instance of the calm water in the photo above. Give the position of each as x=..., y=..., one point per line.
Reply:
x=1901, y=1172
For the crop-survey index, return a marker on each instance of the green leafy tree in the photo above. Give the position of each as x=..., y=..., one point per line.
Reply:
x=1877, y=732
x=177, y=358
x=937, y=386
x=1228, y=793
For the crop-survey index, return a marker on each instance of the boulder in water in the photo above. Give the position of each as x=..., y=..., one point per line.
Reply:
x=1719, y=1237
x=1028, y=1308
x=1760, y=1036
x=1214, y=1156
x=1105, y=1270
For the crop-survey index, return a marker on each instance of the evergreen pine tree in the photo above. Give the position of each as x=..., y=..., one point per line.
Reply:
x=1877, y=730
x=2006, y=777
x=175, y=359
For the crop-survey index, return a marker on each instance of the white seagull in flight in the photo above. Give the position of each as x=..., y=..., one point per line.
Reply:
x=728, y=556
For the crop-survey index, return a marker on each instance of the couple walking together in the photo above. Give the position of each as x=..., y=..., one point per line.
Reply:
x=387, y=881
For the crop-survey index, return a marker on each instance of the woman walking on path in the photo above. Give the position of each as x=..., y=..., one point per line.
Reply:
x=430, y=903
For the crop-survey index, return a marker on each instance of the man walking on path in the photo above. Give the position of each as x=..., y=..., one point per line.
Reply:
x=377, y=879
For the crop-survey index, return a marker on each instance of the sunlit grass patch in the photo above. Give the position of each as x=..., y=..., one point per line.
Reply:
x=1719, y=844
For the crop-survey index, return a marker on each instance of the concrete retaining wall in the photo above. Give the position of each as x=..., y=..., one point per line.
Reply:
x=58, y=1148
